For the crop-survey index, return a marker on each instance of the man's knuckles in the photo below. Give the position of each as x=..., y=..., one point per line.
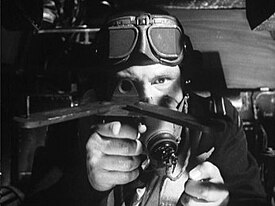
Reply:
x=117, y=130
x=205, y=190
x=126, y=177
x=197, y=189
x=119, y=163
x=123, y=147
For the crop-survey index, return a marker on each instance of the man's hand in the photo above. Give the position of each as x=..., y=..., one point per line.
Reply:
x=205, y=187
x=113, y=155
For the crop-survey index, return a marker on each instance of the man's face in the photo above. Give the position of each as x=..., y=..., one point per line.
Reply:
x=155, y=83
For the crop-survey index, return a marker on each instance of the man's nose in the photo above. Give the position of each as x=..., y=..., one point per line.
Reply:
x=145, y=95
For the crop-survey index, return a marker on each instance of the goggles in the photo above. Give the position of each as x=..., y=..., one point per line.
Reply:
x=159, y=37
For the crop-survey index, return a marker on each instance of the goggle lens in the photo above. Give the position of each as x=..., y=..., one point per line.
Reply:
x=166, y=41
x=121, y=42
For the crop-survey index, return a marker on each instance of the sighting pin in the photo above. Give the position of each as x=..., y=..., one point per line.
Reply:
x=28, y=106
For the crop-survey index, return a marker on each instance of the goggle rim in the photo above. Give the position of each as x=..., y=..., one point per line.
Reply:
x=160, y=54
x=134, y=20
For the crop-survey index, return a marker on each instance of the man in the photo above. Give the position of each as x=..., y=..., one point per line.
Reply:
x=149, y=48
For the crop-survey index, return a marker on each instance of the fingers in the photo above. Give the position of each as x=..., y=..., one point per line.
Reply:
x=187, y=200
x=105, y=180
x=115, y=129
x=206, y=185
x=206, y=171
x=113, y=155
x=118, y=163
x=206, y=191
x=114, y=146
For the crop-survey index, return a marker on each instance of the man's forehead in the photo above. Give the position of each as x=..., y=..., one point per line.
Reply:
x=148, y=71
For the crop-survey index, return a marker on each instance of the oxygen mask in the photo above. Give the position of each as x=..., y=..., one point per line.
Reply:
x=161, y=140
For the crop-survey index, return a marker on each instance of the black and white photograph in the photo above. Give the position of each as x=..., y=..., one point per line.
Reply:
x=137, y=103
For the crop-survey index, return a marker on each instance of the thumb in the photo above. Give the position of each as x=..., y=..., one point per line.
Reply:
x=206, y=171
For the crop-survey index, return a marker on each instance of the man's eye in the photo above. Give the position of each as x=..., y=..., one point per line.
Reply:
x=159, y=81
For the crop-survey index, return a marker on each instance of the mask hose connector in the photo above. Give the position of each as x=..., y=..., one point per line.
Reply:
x=163, y=148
